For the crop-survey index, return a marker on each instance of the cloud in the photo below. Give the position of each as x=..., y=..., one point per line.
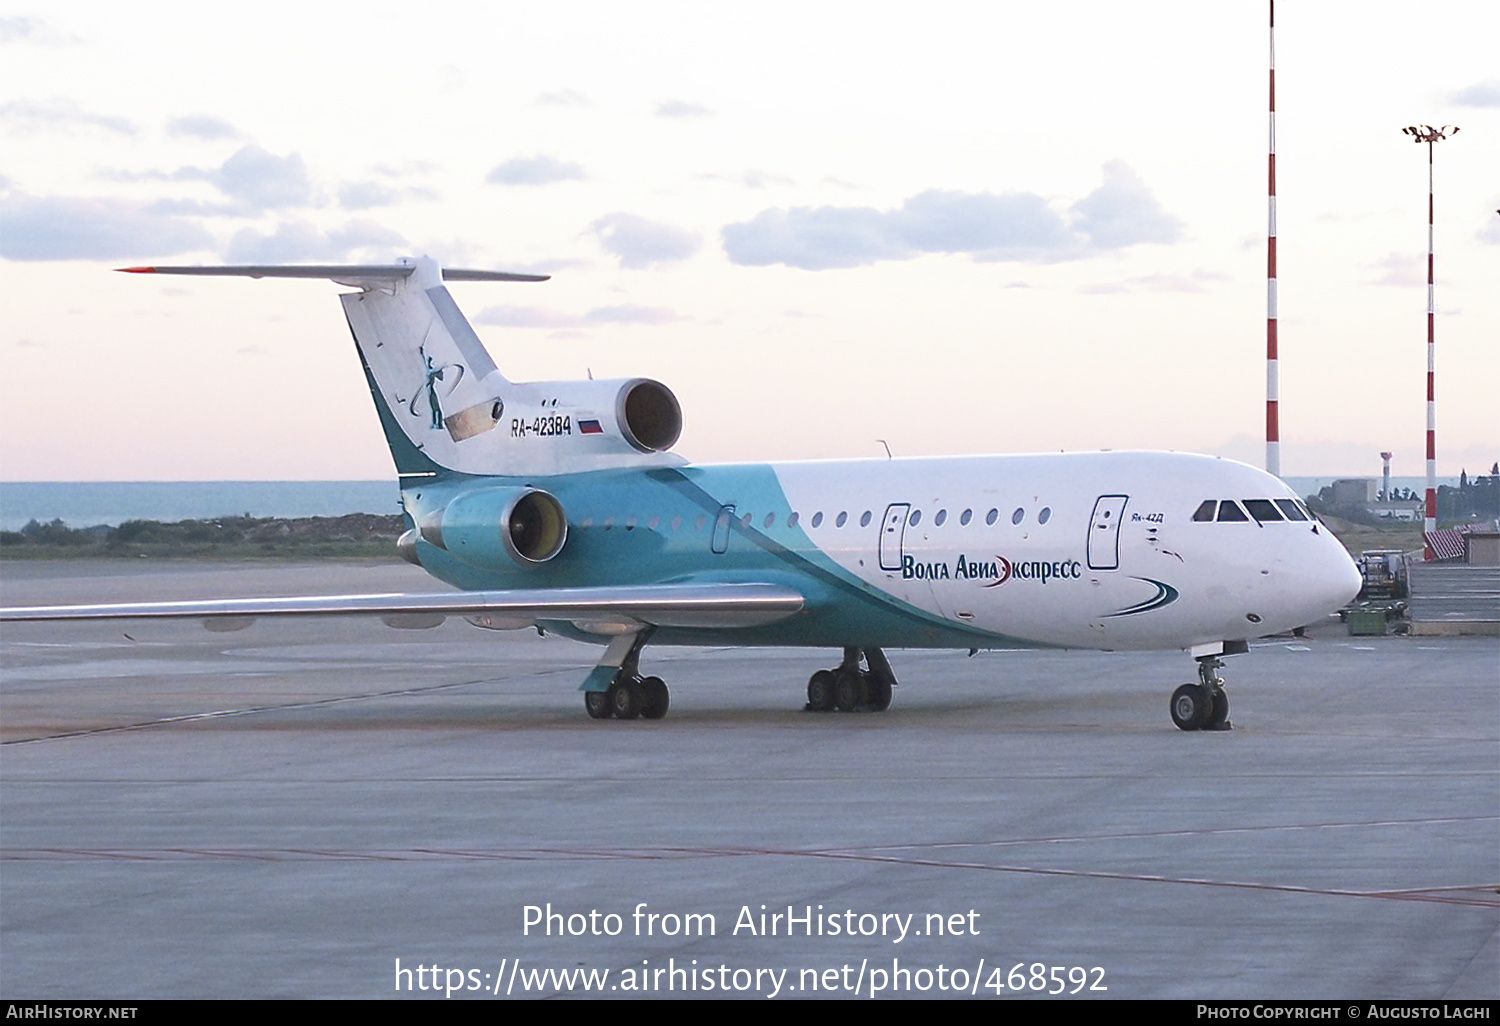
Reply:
x=754, y=179
x=563, y=98
x=538, y=170
x=1013, y=226
x=57, y=114
x=91, y=228
x=297, y=241
x=1155, y=283
x=813, y=239
x=254, y=179
x=682, y=109
x=537, y=317
x=640, y=243
x=14, y=30
x=202, y=126
x=630, y=313
x=1481, y=94
x=364, y=195
x=31, y=30
x=1403, y=270
x=263, y=181
x=527, y=317
x=405, y=169
x=1123, y=212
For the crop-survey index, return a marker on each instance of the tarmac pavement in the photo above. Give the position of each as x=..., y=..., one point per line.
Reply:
x=331, y=808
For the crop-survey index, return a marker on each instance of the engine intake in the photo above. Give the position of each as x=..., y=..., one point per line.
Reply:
x=649, y=415
x=526, y=526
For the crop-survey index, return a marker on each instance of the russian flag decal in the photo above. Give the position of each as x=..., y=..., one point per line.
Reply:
x=590, y=427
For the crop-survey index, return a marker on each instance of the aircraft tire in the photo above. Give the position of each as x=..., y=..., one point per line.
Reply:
x=1218, y=718
x=820, y=692
x=626, y=699
x=598, y=705
x=658, y=698
x=880, y=695
x=1191, y=706
x=848, y=690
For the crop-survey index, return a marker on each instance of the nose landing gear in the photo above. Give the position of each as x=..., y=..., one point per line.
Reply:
x=1202, y=706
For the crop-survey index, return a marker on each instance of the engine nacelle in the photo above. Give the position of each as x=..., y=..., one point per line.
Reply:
x=641, y=412
x=486, y=527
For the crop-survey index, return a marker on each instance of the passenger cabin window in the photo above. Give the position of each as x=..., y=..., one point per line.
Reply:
x=1229, y=511
x=1205, y=512
x=915, y=518
x=1263, y=510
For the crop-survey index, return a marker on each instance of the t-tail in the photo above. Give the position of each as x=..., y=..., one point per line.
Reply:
x=444, y=405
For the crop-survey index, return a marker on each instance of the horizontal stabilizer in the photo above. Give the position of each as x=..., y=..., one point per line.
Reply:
x=348, y=273
x=662, y=605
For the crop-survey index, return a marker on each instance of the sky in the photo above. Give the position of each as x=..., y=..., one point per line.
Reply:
x=991, y=227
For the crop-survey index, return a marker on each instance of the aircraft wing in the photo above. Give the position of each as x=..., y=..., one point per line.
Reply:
x=598, y=610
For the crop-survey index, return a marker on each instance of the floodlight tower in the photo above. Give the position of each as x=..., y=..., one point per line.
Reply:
x=1429, y=135
x=1273, y=374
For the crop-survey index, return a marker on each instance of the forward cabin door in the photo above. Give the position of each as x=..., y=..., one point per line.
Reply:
x=892, y=534
x=1104, y=532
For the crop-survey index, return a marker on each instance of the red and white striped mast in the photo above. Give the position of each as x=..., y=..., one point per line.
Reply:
x=1273, y=374
x=1429, y=135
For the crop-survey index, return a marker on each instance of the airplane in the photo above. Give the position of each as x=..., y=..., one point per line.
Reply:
x=559, y=505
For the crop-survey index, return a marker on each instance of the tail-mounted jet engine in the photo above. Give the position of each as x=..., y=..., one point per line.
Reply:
x=642, y=412
x=526, y=526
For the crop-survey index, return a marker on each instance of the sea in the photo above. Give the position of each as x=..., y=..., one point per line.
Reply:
x=90, y=503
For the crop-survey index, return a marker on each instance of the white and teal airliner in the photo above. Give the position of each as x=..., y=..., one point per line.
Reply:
x=560, y=505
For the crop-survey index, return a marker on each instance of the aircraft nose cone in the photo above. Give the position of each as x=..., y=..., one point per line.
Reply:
x=1338, y=579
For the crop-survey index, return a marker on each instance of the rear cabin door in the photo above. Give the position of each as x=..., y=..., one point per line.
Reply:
x=720, y=542
x=1104, y=532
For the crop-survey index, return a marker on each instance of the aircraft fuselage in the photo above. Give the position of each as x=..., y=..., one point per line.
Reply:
x=1085, y=550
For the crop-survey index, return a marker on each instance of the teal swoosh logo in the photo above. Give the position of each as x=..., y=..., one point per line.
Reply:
x=1165, y=595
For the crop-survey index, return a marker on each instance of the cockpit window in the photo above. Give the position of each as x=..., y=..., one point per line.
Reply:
x=1263, y=510
x=1206, y=511
x=1229, y=511
x=1291, y=509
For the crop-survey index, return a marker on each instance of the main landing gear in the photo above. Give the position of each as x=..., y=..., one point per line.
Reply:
x=616, y=690
x=846, y=687
x=1202, y=706
x=628, y=694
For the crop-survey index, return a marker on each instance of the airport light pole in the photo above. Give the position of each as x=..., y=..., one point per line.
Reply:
x=1273, y=373
x=1429, y=135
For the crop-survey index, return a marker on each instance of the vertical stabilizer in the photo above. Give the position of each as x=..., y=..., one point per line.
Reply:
x=428, y=369
x=441, y=399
